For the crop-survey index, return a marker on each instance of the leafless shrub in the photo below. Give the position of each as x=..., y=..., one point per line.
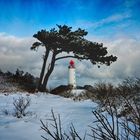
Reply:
x=54, y=130
x=89, y=95
x=103, y=89
x=131, y=110
x=129, y=87
x=67, y=94
x=113, y=127
x=104, y=128
x=21, y=105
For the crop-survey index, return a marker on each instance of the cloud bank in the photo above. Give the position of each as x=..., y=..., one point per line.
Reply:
x=15, y=53
x=128, y=52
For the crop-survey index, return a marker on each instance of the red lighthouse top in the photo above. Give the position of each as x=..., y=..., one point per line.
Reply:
x=71, y=64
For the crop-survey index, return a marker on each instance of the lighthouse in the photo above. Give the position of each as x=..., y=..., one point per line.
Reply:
x=72, y=79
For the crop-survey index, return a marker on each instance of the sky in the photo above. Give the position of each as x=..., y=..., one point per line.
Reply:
x=115, y=23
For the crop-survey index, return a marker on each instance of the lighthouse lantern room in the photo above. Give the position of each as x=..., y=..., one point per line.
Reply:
x=72, y=79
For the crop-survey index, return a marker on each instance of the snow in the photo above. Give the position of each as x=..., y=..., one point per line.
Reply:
x=77, y=91
x=28, y=128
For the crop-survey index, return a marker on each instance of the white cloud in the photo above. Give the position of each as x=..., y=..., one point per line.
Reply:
x=128, y=53
x=115, y=18
x=111, y=19
x=15, y=53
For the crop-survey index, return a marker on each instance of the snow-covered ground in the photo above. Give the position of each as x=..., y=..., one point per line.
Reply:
x=28, y=128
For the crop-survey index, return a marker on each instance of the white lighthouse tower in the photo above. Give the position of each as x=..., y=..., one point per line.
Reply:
x=72, y=79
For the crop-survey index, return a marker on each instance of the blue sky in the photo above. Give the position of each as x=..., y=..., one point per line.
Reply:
x=26, y=17
x=115, y=23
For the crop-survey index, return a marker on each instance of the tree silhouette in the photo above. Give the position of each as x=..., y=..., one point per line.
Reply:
x=73, y=44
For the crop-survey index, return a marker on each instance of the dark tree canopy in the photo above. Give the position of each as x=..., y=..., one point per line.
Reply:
x=64, y=39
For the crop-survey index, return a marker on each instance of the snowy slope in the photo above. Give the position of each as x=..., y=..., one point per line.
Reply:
x=28, y=128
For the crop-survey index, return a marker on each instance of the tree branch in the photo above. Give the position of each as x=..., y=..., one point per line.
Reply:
x=69, y=56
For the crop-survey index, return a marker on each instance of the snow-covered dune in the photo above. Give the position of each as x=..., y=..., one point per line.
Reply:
x=28, y=128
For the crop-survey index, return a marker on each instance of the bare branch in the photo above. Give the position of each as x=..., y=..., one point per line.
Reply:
x=69, y=56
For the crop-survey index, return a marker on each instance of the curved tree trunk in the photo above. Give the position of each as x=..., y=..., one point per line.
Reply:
x=39, y=86
x=49, y=72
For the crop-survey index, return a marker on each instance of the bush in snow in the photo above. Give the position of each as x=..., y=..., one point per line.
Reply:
x=112, y=126
x=21, y=105
x=129, y=87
